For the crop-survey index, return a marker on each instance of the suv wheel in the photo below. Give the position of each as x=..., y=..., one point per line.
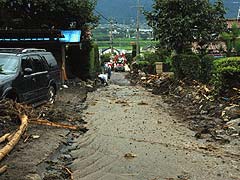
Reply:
x=51, y=94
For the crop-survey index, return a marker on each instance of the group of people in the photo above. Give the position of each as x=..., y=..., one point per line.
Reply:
x=106, y=75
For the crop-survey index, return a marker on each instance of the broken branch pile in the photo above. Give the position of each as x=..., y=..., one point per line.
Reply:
x=211, y=116
x=12, y=114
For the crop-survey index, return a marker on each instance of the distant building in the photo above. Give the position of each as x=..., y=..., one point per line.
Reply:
x=230, y=22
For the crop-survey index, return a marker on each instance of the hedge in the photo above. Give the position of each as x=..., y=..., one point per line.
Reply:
x=206, y=66
x=186, y=66
x=226, y=73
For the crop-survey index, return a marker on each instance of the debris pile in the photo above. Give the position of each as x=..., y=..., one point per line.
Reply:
x=64, y=113
x=9, y=115
x=211, y=117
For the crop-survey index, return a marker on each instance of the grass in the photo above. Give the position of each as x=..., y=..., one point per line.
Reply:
x=125, y=43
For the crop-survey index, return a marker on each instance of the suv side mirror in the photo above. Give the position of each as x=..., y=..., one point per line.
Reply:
x=28, y=71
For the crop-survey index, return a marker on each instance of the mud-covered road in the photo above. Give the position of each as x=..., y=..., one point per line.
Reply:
x=134, y=135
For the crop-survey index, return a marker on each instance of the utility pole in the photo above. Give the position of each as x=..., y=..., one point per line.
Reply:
x=139, y=8
x=111, y=35
x=238, y=16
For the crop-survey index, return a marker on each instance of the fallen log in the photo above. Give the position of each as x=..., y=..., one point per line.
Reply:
x=10, y=137
x=59, y=125
x=4, y=137
x=16, y=137
x=69, y=172
x=3, y=169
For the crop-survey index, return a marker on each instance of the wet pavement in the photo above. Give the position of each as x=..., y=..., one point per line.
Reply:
x=134, y=136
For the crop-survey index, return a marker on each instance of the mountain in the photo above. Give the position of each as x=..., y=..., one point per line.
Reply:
x=232, y=7
x=125, y=11
x=122, y=11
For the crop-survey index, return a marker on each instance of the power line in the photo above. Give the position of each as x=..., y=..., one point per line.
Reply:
x=108, y=20
x=102, y=16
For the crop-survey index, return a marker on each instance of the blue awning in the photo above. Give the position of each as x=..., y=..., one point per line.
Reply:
x=71, y=36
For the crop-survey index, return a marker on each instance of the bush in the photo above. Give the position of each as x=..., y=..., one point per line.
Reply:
x=94, y=64
x=206, y=65
x=105, y=57
x=143, y=66
x=186, y=66
x=226, y=73
x=151, y=57
x=129, y=58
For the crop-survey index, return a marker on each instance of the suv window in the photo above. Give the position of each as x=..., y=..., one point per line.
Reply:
x=37, y=63
x=50, y=60
x=26, y=63
x=8, y=64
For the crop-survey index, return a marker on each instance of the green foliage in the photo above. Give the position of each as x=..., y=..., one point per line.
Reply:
x=206, y=65
x=226, y=73
x=105, y=58
x=237, y=46
x=97, y=64
x=144, y=66
x=179, y=23
x=231, y=40
x=129, y=58
x=151, y=57
x=186, y=66
x=134, y=50
x=165, y=56
x=94, y=65
x=146, y=62
x=64, y=14
x=148, y=59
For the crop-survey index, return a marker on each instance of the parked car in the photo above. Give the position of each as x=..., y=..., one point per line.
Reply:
x=28, y=75
x=120, y=62
x=119, y=67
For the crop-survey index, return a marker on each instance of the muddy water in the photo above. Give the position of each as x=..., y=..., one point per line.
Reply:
x=134, y=136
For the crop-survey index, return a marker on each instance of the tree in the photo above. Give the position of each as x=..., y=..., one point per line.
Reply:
x=62, y=14
x=231, y=39
x=179, y=23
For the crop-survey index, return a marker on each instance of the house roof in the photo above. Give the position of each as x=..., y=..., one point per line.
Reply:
x=29, y=33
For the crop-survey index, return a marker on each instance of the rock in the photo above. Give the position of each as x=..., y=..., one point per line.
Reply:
x=32, y=177
x=233, y=126
x=89, y=86
x=65, y=86
x=231, y=112
x=66, y=157
x=179, y=89
x=203, y=112
x=35, y=136
x=130, y=155
x=143, y=74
